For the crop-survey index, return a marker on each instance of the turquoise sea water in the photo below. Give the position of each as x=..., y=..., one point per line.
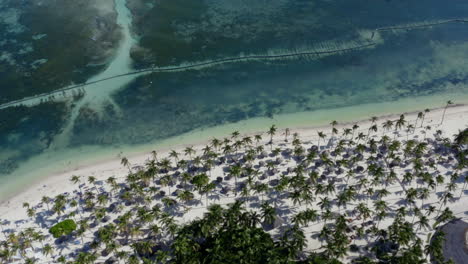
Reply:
x=408, y=69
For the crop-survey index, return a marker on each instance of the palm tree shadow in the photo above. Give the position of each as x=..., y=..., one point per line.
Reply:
x=256, y=204
x=194, y=202
x=42, y=221
x=62, y=243
x=284, y=210
x=253, y=201
x=286, y=154
x=174, y=210
x=9, y=231
x=215, y=197
x=402, y=202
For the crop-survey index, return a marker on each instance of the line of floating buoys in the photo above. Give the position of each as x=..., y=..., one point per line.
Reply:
x=317, y=51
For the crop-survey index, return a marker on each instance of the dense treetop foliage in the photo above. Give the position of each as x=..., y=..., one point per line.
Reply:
x=63, y=228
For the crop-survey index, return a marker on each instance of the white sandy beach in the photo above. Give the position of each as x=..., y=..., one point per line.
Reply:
x=11, y=209
x=456, y=119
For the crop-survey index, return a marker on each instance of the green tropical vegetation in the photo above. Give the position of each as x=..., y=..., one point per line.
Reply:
x=375, y=194
x=63, y=228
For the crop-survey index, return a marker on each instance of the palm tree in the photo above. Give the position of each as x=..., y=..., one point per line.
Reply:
x=445, y=216
x=207, y=189
x=387, y=125
x=334, y=123
x=380, y=207
x=258, y=138
x=247, y=141
x=92, y=180
x=424, y=116
x=261, y=189
x=30, y=260
x=400, y=123
x=271, y=132
x=296, y=197
x=173, y=154
x=216, y=143
x=75, y=179
x=200, y=181
x=461, y=138
x=360, y=136
x=113, y=183
x=371, y=128
x=154, y=155
x=124, y=161
x=235, y=171
x=207, y=151
x=48, y=250
x=286, y=134
x=307, y=196
x=238, y=145
x=268, y=213
x=435, y=247
x=423, y=195
x=346, y=132
x=355, y=127
x=235, y=135
x=420, y=116
x=186, y=177
x=423, y=222
x=59, y=204
x=364, y=211
x=46, y=200
x=226, y=141
x=189, y=151
x=449, y=102
x=324, y=203
x=165, y=164
x=102, y=199
x=409, y=129
x=86, y=258
x=321, y=135
x=31, y=212
x=166, y=181
x=334, y=130
x=444, y=199
x=330, y=188
x=227, y=149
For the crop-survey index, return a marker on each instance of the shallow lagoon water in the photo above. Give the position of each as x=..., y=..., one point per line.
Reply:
x=408, y=71
x=45, y=45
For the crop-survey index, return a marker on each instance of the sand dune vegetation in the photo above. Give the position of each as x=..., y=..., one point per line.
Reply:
x=372, y=192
